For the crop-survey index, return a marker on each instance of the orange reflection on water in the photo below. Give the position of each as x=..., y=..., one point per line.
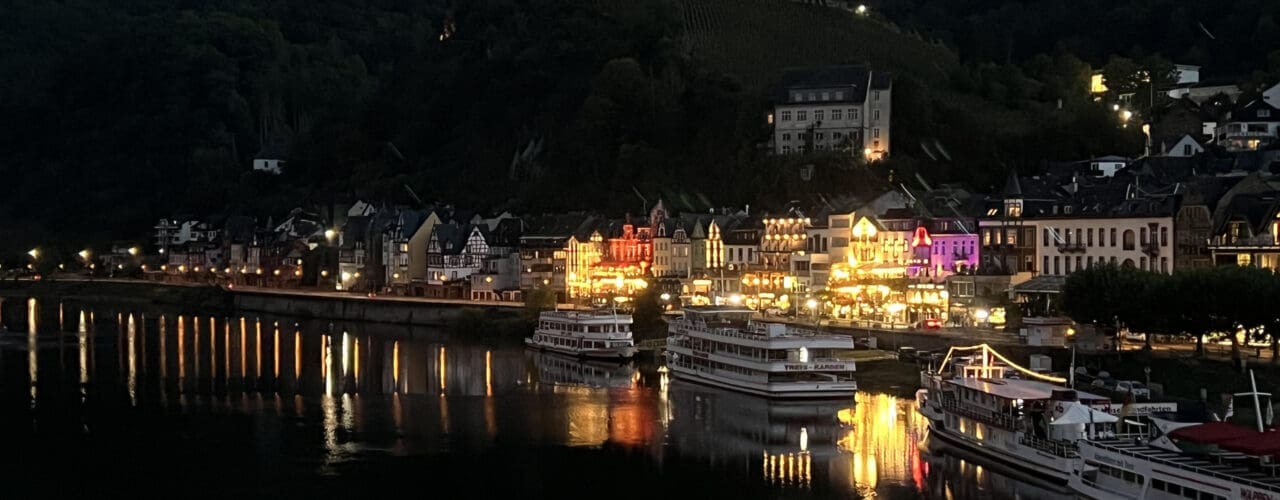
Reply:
x=182, y=354
x=297, y=356
x=395, y=366
x=33, y=361
x=883, y=441
x=82, y=341
x=443, y=382
x=164, y=370
x=133, y=362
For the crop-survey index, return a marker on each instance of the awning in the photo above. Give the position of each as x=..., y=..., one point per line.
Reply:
x=1040, y=284
x=1081, y=414
x=1212, y=433
x=1256, y=444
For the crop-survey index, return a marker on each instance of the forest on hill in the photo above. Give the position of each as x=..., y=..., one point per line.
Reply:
x=118, y=113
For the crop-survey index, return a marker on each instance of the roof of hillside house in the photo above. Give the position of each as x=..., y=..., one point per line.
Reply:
x=356, y=229
x=881, y=80
x=451, y=236
x=1012, y=186
x=505, y=234
x=851, y=80
x=1256, y=209
x=1256, y=110
x=899, y=213
x=408, y=222
x=239, y=229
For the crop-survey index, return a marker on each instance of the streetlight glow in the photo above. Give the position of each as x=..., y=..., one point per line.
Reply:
x=133, y=251
x=34, y=253
x=665, y=296
x=84, y=254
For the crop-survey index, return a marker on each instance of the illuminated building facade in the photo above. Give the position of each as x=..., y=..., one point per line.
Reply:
x=833, y=108
x=545, y=247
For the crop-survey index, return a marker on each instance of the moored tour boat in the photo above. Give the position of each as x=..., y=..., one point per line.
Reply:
x=723, y=347
x=591, y=334
x=979, y=403
x=1207, y=461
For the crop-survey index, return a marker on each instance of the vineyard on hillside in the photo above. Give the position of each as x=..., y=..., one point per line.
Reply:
x=756, y=39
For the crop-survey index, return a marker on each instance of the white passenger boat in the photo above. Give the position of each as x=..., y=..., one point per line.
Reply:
x=592, y=334
x=1207, y=461
x=723, y=347
x=979, y=403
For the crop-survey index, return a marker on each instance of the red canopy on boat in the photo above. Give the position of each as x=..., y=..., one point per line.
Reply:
x=1213, y=433
x=1257, y=444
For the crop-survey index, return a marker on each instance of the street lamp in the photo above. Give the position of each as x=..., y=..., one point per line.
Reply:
x=861, y=10
x=34, y=253
x=813, y=309
x=133, y=251
x=329, y=234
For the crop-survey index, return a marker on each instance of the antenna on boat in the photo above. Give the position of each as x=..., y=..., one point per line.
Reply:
x=1257, y=406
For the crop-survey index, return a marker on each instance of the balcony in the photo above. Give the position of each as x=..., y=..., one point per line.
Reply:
x=1076, y=247
x=1151, y=248
x=960, y=256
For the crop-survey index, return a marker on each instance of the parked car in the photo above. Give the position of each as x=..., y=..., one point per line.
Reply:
x=1138, y=390
x=928, y=324
x=1104, y=383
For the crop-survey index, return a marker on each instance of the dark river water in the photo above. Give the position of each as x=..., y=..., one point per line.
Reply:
x=130, y=401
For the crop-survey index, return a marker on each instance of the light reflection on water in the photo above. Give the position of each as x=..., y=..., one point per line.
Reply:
x=373, y=390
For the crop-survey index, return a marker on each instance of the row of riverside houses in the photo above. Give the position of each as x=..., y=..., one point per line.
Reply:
x=898, y=258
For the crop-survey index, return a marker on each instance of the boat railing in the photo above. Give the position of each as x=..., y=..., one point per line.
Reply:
x=1188, y=467
x=1057, y=447
x=985, y=416
x=752, y=332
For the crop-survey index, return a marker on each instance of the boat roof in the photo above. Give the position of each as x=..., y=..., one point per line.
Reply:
x=718, y=310
x=1018, y=389
x=1212, y=432
x=589, y=314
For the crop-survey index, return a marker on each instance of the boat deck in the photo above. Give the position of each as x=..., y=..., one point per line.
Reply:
x=1230, y=466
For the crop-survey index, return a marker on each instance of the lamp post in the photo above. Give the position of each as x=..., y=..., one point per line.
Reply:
x=813, y=310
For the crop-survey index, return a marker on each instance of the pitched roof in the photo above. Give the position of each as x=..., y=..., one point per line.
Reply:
x=356, y=229
x=452, y=237
x=505, y=234
x=852, y=79
x=1012, y=188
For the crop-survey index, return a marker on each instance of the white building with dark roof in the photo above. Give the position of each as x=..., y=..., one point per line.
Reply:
x=844, y=108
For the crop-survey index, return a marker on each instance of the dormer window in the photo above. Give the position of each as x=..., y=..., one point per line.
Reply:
x=1264, y=113
x=1013, y=208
